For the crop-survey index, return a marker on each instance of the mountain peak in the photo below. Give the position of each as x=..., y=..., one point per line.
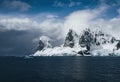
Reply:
x=70, y=38
x=89, y=42
x=44, y=43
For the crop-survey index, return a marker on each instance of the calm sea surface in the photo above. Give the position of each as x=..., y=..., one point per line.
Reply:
x=60, y=69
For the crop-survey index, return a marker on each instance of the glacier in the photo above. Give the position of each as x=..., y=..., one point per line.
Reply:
x=88, y=43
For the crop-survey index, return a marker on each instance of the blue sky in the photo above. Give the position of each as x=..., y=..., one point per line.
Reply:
x=22, y=22
x=59, y=7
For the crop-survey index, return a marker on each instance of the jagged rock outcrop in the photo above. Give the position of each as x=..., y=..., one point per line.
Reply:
x=118, y=45
x=40, y=46
x=90, y=39
x=89, y=42
x=86, y=39
x=70, y=39
x=44, y=43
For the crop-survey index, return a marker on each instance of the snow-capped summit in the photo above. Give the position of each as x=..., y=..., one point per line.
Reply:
x=71, y=39
x=44, y=43
x=90, y=39
x=89, y=43
x=97, y=41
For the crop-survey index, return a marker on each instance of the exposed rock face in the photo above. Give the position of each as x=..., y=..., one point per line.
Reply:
x=44, y=43
x=94, y=38
x=86, y=39
x=70, y=39
x=89, y=42
x=118, y=45
x=113, y=40
x=41, y=46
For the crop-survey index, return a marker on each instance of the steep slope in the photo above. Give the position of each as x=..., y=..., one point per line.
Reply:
x=67, y=49
x=44, y=43
x=71, y=39
x=95, y=43
x=94, y=39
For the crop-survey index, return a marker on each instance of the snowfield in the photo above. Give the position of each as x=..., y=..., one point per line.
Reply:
x=105, y=50
x=58, y=51
x=89, y=43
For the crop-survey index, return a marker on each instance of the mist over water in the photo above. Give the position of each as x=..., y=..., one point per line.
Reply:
x=60, y=69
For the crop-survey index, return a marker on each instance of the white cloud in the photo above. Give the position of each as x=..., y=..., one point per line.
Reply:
x=52, y=25
x=16, y=5
x=72, y=4
x=92, y=18
x=68, y=4
x=51, y=16
x=78, y=20
x=28, y=23
x=58, y=4
x=17, y=24
x=82, y=19
x=111, y=26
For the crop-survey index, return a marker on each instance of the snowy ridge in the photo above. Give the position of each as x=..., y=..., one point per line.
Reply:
x=44, y=43
x=88, y=43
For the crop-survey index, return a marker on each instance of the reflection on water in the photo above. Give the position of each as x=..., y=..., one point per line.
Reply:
x=60, y=69
x=63, y=69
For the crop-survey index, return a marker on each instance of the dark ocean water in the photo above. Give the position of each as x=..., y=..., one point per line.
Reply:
x=60, y=69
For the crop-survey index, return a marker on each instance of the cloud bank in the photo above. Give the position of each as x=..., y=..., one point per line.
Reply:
x=77, y=20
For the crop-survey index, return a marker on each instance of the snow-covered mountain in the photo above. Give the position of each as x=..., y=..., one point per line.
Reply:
x=87, y=43
x=44, y=43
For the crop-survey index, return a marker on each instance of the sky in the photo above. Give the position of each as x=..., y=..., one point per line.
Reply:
x=22, y=22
